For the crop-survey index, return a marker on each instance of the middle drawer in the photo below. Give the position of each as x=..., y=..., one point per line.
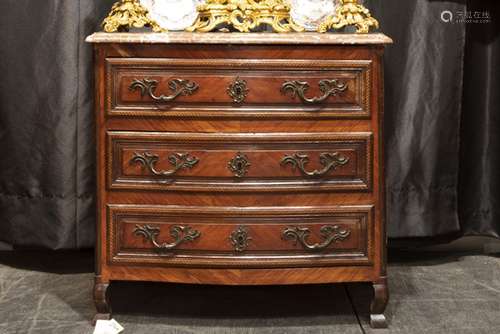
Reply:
x=263, y=162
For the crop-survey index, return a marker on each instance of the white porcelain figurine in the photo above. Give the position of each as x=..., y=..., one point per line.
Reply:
x=172, y=14
x=311, y=13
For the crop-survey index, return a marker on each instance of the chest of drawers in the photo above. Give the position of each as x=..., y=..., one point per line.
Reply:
x=241, y=159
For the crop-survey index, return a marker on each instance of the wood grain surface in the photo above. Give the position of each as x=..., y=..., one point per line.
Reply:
x=269, y=197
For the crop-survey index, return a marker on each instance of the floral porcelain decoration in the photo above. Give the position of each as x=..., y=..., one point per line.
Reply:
x=311, y=13
x=172, y=14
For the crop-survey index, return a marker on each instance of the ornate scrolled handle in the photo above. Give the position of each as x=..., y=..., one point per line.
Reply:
x=179, y=233
x=178, y=160
x=327, y=87
x=329, y=233
x=330, y=161
x=177, y=86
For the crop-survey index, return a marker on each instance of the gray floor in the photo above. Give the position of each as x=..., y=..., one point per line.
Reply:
x=431, y=292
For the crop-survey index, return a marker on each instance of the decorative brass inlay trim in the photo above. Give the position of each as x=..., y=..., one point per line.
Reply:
x=350, y=13
x=127, y=14
x=239, y=165
x=330, y=161
x=238, y=90
x=177, y=86
x=178, y=160
x=179, y=233
x=244, y=15
x=329, y=233
x=327, y=87
x=240, y=238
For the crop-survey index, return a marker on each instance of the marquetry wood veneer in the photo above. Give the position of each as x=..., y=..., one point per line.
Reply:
x=240, y=162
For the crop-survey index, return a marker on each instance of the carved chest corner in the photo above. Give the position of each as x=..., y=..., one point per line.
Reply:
x=252, y=159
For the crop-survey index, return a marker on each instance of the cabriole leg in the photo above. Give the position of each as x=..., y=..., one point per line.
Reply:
x=379, y=303
x=101, y=300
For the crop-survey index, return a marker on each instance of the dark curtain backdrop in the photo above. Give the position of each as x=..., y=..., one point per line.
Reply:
x=46, y=122
x=442, y=120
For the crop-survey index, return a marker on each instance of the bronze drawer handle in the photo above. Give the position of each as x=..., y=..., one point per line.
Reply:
x=177, y=86
x=330, y=161
x=179, y=233
x=329, y=233
x=327, y=87
x=178, y=160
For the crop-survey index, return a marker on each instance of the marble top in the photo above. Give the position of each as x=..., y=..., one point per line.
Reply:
x=239, y=38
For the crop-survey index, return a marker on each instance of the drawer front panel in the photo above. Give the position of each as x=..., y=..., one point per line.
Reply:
x=228, y=236
x=240, y=162
x=239, y=88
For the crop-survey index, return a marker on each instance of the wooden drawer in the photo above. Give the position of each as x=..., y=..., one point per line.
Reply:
x=238, y=88
x=229, y=236
x=263, y=162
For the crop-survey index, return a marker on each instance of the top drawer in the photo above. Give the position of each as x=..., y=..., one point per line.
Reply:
x=238, y=88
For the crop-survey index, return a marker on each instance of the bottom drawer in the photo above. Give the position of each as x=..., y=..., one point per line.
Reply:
x=240, y=237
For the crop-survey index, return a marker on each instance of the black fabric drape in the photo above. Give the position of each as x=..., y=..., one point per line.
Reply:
x=479, y=187
x=423, y=102
x=46, y=122
x=442, y=123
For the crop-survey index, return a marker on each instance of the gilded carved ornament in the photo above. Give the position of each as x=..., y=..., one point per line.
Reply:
x=350, y=13
x=127, y=14
x=245, y=15
x=242, y=15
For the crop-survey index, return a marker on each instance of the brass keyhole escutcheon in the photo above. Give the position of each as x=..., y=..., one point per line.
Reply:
x=239, y=165
x=238, y=90
x=240, y=238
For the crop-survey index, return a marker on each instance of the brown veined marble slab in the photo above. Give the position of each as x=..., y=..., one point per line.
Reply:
x=239, y=38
